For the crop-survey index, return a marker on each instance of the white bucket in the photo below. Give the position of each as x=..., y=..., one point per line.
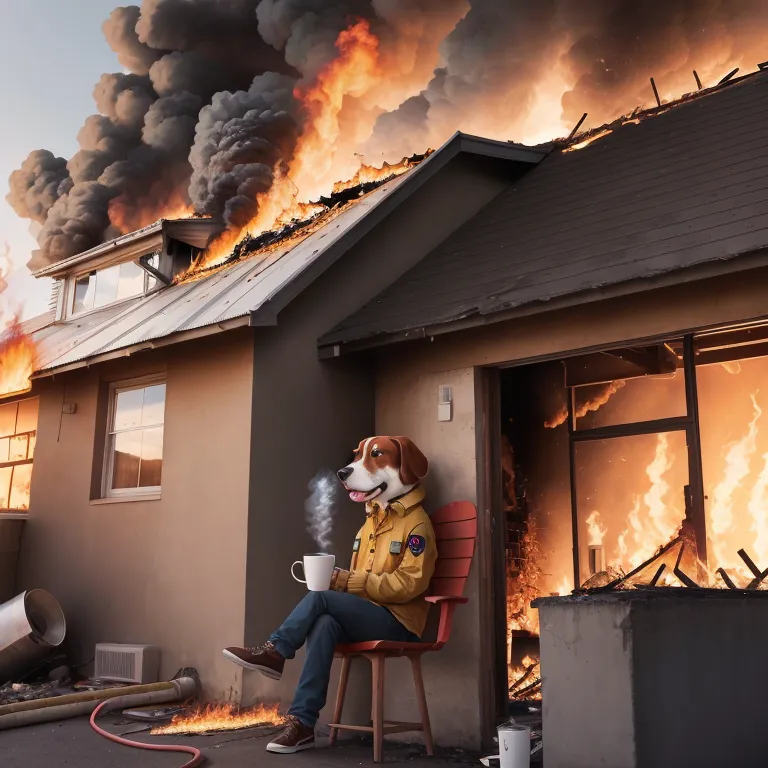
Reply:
x=514, y=746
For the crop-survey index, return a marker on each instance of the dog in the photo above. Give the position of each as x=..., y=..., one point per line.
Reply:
x=383, y=468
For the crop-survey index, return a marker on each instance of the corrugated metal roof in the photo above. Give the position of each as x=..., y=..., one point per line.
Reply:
x=254, y=289
x=683, y=188
x=235, y=291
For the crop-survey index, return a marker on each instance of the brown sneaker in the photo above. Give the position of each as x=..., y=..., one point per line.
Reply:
x=263, y=658
x=293, y=738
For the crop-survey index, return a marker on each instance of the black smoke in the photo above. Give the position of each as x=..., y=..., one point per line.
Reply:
x=205, y=115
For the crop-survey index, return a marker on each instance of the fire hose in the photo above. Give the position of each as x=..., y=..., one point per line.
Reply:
x=120, y=702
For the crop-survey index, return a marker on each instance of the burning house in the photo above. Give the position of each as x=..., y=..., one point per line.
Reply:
x=595, y=307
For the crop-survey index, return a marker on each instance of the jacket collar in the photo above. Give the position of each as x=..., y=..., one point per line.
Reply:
x=402, y=505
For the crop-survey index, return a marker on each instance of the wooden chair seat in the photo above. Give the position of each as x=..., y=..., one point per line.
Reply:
x=455, y=531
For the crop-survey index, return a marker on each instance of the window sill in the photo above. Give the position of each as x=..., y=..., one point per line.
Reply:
x=14, y=515
x=126, y=499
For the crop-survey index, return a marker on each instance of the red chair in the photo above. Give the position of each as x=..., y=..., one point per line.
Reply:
x=455, y=530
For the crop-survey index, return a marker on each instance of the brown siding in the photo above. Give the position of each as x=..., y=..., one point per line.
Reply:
x=169, y=572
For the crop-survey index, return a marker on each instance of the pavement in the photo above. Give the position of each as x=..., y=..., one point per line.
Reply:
x=72, y=744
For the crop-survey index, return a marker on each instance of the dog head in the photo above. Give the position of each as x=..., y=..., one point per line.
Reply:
x=383, y=468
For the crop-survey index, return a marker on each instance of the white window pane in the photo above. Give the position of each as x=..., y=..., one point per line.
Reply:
x=126, y=459
x=154, y=405
x=20, y=485
x=27, y=421
x=131, y=282
x=18, y=448
x=5, y=486
x=151, y=457
x=106, y=286
x=85, y=289
x=128, y=409
x=8, y=419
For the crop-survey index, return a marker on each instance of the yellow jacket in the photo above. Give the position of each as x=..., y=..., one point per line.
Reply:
x=393, y=559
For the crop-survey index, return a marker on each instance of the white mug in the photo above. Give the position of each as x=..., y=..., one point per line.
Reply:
x=318, y=569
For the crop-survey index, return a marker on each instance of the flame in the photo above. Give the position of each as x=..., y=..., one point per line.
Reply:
x=595, y=530
x=738, y=457
x=351, y=74
x=18, y=356
x=221, y=717
x=368, y=173
x=587, y=141
x=528, y=669
x=758, y=504
x=591, y=404
x=559, y=418
x=126, y=216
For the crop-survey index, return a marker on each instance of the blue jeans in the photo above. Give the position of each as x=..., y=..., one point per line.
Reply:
x=323, y=619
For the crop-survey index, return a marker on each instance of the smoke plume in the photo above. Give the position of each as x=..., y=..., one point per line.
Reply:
x=320, y=508
x=222, y=99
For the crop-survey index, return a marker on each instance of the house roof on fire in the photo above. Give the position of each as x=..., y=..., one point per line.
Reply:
x=250, y=290
x=657, y=198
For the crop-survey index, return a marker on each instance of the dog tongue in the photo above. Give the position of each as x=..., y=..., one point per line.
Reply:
x=357, y=495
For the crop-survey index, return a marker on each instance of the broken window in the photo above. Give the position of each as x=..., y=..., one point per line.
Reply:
x=18, y=431
x=134, y=460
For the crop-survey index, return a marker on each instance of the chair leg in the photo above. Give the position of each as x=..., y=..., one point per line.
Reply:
x=377, y=704
x=421, y=696
x=340, y=694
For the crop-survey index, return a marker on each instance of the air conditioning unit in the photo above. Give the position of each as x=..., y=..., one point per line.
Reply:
x=127, y=663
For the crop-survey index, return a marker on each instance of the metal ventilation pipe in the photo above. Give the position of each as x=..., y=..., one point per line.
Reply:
x=32, y=624
x=77, y=704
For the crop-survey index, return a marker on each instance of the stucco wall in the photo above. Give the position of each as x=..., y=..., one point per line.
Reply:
x=169, y=572
x=309, y=414
x=406, y=404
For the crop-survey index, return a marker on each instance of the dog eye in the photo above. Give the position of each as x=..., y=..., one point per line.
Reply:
x=375, y=453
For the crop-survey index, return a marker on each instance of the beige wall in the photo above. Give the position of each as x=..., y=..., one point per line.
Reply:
x=169, y=572
x=406, y=404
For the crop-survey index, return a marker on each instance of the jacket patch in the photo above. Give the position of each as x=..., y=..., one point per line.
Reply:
x=395, y=547
x=356, y=546
x=417, y=544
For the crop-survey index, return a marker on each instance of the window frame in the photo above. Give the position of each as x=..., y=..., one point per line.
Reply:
x=108, y=464
x=9, y=510
x=71, y=286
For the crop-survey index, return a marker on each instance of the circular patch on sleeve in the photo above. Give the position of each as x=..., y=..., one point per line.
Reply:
x=417, y=544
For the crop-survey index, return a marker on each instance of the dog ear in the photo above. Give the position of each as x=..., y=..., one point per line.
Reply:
x=413, y=463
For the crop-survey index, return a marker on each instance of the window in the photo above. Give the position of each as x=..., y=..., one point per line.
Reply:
x=18, y=432
x=105, y=286
x=134, y=460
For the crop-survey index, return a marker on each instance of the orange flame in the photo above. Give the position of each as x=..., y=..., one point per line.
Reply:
x=128, y=217
x=18, y=356
x=354, y=71
x=737, y=468
x=586, y=142
x=221, y=717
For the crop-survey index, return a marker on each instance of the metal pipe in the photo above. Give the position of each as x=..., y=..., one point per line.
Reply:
x=32, y=625
x=77, y=704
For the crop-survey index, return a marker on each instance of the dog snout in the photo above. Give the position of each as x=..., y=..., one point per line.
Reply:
x=344, y=473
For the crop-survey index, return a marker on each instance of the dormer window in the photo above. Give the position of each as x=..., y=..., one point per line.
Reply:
x=101, y=287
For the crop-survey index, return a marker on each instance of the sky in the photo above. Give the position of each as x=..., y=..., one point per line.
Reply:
x=52, y=53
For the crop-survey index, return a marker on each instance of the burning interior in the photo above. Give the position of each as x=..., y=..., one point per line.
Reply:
x=639, y=466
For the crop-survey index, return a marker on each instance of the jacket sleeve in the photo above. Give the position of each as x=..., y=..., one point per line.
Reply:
x=409, y=580
x=340, y=577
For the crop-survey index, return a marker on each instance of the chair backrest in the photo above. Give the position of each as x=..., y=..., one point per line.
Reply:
x=455, y=527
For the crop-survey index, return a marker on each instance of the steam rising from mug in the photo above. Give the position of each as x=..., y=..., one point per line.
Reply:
x=320, y=508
